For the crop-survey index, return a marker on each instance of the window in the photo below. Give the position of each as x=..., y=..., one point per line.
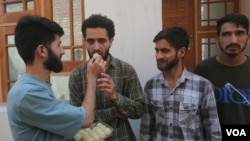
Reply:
x=68, y=13
x=12, y=10
x=208, y=12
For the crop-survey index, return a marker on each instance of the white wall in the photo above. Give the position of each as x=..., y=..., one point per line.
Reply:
x=136, y=23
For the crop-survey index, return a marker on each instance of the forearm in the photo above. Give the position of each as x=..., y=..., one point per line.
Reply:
x=89, y=101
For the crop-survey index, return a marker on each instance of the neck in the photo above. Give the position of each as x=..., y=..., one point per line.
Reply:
x=173, y=75
x=231, y=60
x=38, y=72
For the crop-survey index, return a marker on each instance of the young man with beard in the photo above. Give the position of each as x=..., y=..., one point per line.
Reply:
x=179, y=105
x=229, y=71
x=34, y=113
x=119, y=95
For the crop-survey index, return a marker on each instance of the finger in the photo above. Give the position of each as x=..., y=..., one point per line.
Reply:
x=104, y=75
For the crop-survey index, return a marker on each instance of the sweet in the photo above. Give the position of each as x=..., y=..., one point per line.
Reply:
x=99, y=131
x=95, y=56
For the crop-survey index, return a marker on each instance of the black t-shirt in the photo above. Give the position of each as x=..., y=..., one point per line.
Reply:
x=232, y=89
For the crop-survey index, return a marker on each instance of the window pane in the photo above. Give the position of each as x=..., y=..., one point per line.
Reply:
x=204, y=50
x=217, y=10
x=214, y=49
x=10, y=39
x=30, y=5
x=212, y=40
x=204, y=12
x=204, y=23
x=14, y=7
x=216, y=0
x=18, y=6
x=212, y=23
x=67, y=55
x=16, y=64
x=230, y=7
x=61, y=16
x=204, y=40
x=209, y=48
x=77, y=19
x=78, y=54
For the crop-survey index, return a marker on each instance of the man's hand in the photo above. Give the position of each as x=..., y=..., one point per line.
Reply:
x=117, y=114
x=106, y=84
x=96, y=66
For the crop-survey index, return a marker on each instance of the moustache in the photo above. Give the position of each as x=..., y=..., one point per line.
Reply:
x=233, y=45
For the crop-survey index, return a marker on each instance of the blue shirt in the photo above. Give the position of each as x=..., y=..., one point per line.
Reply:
x=34, y=113
x=186, y=112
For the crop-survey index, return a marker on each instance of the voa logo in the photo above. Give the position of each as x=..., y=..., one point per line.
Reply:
x=236, y=132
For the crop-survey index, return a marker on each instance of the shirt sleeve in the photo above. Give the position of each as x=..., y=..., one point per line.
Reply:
x=210, y=116
x=131, y=102
x=46, y=112
x=147, y=120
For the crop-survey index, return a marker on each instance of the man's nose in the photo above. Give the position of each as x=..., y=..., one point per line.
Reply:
x=233, y=38
x=96, y=45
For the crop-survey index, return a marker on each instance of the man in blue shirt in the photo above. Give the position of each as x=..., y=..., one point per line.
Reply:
x=34, y=113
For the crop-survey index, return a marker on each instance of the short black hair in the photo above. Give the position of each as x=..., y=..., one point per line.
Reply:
x=236, y=18
x=177, y=36
x=98, y=20
x=32, y=30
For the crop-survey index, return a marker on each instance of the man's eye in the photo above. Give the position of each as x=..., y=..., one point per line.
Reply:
x=226, y=34
x=241, y=33
x=91, y=41
x=164, y=50
x=101, y=41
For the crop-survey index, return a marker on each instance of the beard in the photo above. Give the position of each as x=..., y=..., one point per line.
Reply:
x=53, y=62
x=169, y=65
x=233, y=46
x=104, y=55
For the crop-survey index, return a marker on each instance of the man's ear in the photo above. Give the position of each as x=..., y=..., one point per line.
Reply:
x=41, y=50
x=181, y=52
x=111, y=41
